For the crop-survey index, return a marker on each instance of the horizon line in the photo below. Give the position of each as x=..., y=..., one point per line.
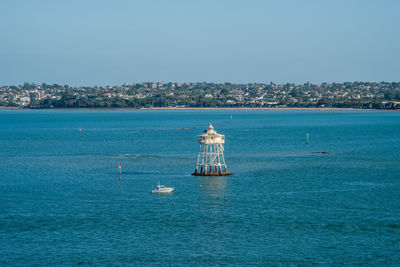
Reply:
x=198, y=82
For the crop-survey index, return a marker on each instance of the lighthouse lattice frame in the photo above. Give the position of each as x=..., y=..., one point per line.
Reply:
x=211, y=161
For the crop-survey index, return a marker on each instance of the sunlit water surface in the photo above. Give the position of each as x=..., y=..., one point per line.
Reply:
x=62, y=202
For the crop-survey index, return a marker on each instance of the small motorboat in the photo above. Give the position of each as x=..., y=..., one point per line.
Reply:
x=161, y=189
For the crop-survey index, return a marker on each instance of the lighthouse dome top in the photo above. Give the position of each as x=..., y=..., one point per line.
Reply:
x=211, y=130
x=210, y=136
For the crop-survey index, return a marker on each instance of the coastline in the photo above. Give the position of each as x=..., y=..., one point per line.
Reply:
x=204, y=108
x=259, y=108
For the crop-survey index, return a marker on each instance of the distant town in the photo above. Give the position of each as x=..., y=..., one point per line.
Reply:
x=366, y=95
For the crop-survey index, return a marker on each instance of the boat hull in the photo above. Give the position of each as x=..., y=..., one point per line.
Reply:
x=163, y=191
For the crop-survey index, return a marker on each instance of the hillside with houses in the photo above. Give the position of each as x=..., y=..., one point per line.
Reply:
x=369, y=95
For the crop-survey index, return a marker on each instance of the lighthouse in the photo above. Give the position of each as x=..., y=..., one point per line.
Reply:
x=210, y=161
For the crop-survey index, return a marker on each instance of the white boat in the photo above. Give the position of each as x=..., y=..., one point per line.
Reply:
x=161, y=189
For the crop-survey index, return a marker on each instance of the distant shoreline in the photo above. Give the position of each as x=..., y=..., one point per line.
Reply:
x=202, y=108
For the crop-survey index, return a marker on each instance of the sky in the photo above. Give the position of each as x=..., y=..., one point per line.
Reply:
x=98, y=42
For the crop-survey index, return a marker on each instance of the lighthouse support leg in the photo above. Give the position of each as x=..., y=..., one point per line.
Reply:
x=211, y=161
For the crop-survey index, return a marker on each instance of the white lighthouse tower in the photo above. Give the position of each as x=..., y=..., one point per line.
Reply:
x=210, y=161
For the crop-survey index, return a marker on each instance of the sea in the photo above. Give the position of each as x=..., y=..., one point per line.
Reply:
x=334, y=201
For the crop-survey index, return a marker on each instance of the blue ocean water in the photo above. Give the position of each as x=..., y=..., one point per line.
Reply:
x=62, y=202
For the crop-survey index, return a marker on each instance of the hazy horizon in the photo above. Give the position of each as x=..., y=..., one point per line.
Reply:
x=195, y=82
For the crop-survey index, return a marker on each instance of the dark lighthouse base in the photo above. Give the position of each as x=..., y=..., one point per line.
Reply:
x=211, y=173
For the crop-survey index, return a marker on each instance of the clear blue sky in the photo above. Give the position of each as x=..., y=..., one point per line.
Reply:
x=96, y=42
